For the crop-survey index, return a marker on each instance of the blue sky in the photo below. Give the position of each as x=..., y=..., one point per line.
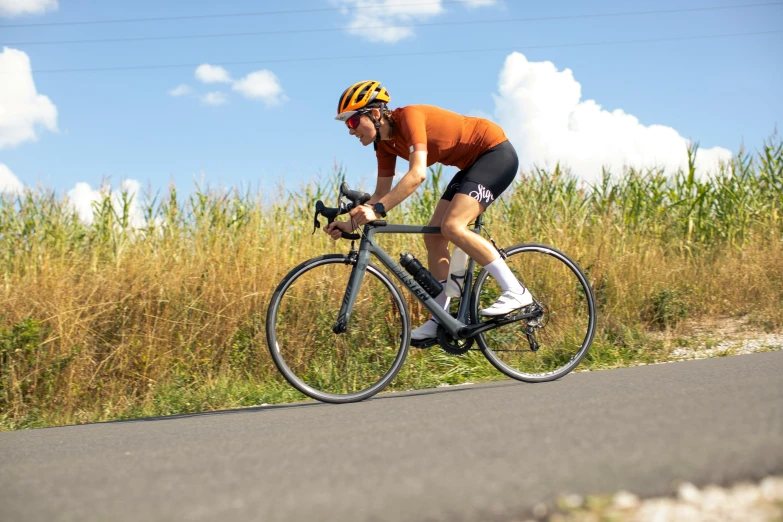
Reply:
x=124, y=124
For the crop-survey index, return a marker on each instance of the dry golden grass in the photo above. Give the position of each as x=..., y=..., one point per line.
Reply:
x=110, y=321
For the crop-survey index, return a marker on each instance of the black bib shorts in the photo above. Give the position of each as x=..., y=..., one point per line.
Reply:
x=491, y=174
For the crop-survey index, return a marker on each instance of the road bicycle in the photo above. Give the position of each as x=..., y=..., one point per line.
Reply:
x=338, y=327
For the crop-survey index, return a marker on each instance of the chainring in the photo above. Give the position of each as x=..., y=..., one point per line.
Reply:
x=453, y=346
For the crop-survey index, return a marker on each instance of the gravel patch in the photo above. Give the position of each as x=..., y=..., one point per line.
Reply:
x=704, y=349
x=717, y=337
x=743, y=502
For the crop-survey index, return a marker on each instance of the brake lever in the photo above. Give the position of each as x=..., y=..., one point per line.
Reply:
x=344, y=208
x=356, y=197
x=319, y=210
x=319, y=205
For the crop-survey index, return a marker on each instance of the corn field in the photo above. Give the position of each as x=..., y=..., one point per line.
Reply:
x=158, y=305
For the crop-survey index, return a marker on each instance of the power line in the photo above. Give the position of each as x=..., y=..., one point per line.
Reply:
x=428, y=24
x=391, y=55
x=234, y=15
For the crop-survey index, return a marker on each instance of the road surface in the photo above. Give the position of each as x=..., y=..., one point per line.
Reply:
x=468, y=453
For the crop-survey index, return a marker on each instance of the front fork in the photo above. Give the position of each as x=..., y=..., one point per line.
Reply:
x=359, y=260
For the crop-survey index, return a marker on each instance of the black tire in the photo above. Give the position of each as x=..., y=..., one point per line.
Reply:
x=328, y=367
x=566, y=329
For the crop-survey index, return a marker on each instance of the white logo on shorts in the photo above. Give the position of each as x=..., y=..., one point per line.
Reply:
x=482, y=194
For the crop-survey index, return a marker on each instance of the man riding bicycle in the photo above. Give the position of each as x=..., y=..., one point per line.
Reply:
x=424, y=134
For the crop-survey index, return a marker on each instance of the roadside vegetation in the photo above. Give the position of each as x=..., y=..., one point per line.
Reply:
x=121, y=319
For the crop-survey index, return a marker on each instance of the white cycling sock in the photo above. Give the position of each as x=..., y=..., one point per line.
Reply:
x=504, y=276
x=442, y=299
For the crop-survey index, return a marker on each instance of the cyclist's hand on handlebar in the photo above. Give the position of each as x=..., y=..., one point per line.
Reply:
x=363, y=214
x=336, y=229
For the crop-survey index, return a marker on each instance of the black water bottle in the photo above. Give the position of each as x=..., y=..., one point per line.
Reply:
x=421, y=274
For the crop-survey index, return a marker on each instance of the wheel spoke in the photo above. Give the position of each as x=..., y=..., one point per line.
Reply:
x=568, y=324
x=337, y=367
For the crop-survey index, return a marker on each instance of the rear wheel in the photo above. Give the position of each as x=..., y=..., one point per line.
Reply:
x=551, y=345
x=330, y=367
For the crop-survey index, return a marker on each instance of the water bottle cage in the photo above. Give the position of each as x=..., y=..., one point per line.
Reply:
x=459, y=281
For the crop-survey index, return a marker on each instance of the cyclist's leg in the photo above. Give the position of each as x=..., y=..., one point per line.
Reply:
x=491, y=174
x=477, y=187
x=437, y=260
x=437, y=245
x=461, y=212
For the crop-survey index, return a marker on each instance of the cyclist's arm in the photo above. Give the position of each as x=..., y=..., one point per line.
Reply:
x=382, y=187
x=415, y=176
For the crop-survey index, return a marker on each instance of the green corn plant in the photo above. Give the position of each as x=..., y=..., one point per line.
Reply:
x=163, y=315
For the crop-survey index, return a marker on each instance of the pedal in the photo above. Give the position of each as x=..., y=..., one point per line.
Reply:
x=424, y=343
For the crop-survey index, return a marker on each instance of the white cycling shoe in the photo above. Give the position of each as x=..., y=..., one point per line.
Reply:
x=507, y=303
x=426, y=331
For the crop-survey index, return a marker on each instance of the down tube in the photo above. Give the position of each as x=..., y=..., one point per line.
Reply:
x=444, y=318
x=351, y=291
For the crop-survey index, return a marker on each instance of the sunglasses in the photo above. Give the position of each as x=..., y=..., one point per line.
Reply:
x=354, y=120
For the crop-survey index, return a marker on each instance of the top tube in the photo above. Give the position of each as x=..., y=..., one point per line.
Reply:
x=383, y=227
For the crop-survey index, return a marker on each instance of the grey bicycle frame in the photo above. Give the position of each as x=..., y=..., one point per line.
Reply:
x=456, y=327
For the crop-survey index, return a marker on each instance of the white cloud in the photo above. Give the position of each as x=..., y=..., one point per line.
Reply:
x=261, y=85
x=480, y=3
x=368, y=15
x=212, y=74
x=22, y=109
x=180, y=90
x=9, y=183
x=82, y=197
x=541, y=111
x=214, y=98
x=22, y=7
x=373, y=13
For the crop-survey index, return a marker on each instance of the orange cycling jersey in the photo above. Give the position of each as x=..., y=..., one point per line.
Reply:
x=448, y=137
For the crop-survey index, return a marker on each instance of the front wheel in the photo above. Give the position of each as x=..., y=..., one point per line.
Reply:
x=552, y=344
x=330, y=367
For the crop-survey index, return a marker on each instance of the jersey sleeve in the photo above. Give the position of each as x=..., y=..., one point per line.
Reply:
x=386, y=163
x=414, y=127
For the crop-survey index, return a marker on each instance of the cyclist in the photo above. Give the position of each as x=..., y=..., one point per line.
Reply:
x=424, y=134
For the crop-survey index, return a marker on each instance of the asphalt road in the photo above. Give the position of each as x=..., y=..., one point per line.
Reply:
x=487, y=452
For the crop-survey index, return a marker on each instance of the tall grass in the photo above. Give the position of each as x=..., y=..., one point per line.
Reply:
x=117, y=319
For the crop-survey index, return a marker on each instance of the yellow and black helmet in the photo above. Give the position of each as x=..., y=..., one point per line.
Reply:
x=358, y=96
